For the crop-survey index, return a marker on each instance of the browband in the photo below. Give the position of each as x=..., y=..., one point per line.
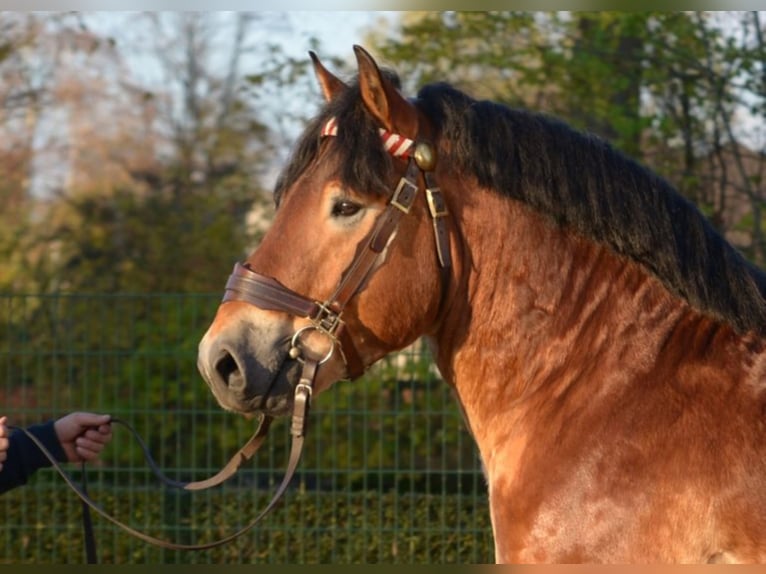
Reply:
x=395, y=144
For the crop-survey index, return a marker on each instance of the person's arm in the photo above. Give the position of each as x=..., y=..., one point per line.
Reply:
x=23, y=458
x=72, y=438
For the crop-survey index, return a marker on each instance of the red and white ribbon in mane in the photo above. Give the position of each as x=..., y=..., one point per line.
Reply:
x=395, y=144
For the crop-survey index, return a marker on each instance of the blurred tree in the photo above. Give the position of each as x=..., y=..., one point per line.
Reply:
x=707, y=106
x=32, y=49
x=163, y=179
x=585, y=67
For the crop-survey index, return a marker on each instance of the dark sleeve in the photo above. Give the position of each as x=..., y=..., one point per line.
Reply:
x=24, y=457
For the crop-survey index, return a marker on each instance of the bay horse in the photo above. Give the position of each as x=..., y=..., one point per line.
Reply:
x=605, y=343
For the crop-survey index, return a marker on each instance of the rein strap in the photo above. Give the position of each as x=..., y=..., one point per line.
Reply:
x=301, y=404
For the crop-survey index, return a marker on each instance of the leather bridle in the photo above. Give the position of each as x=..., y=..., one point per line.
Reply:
x=249, y=286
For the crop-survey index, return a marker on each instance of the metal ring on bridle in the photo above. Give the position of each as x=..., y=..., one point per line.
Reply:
x=296, y=339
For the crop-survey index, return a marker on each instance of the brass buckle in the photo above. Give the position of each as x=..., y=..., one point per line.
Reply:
x=304, y=386
x=436, y=204
x=402, y=206
x=327, y=320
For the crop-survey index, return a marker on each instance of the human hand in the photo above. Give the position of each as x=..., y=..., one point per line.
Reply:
x=83, y=435
x=3, y=441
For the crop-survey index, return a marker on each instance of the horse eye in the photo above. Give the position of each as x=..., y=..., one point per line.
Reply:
x=345, y=208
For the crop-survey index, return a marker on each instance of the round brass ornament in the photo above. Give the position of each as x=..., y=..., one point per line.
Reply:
x=425, y=156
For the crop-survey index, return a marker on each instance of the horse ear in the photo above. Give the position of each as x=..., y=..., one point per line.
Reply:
x=331, y=86
x=381, y=98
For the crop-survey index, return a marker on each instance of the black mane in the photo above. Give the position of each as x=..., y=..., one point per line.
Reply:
x=582, y=181
x=576, y=179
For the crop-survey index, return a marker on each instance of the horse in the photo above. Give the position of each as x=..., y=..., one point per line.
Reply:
x=604, y=342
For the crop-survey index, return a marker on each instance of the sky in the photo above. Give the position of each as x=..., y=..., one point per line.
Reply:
x=337, y=30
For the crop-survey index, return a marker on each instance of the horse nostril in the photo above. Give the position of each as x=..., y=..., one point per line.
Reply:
x=229, y=371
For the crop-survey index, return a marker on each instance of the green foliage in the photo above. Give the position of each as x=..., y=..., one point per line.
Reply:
x=483, y=51
x=582, y=66
x=157, y=242
x=309, y=527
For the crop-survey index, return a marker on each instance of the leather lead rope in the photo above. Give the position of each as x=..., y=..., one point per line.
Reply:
x=303, y=392
x=91, y=556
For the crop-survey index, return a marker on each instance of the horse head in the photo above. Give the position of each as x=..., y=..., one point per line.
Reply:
x=346, y=273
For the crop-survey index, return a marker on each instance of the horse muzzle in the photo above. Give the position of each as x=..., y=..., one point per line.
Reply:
x=248, y=369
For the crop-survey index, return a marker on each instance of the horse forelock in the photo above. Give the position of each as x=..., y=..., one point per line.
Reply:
x=581, y=181
x=362, y=163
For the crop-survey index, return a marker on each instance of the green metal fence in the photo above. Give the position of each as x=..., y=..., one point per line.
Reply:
x=389, y=472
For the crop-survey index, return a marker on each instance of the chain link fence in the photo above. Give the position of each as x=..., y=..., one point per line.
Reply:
x=389, y=473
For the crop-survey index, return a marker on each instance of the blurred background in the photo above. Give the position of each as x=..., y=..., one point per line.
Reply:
x=138, y=152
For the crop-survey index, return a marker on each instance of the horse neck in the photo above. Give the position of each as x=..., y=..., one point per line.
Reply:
x=536, y=310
